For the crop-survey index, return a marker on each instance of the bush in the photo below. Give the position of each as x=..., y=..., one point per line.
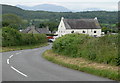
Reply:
x=102, y=50
x=13, y=21
x=11, y=37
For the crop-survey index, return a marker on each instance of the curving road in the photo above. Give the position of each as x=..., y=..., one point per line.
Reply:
x=28, y=65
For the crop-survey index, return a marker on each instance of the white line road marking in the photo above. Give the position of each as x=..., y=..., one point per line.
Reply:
x=19, y=71
x=11, y=56
x=8, y=61
x=35, y=49
x=18, y=53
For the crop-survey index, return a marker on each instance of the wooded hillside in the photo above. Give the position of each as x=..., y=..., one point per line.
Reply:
x=105, y=17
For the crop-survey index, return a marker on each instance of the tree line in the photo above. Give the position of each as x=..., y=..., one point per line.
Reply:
x=107, y=19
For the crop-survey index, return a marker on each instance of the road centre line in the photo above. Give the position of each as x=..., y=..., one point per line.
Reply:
x=8, y=62
x=11, y=56
x=19, y=71
x=18, y=53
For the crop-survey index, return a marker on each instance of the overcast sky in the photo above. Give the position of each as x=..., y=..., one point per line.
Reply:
x=70, y=4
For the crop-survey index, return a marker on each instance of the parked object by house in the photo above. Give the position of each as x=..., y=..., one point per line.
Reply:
x=35, y=30
x=50, y=38
x=83, y=26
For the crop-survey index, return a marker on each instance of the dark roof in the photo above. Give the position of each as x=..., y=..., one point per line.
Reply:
x=39, y=30
x=81, y=23
x=26, y=30
x=43, y=30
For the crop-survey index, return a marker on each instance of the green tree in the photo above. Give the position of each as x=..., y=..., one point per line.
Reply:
x=12, y=21
x=106, y=29
x=52, y=25
x=41, y=25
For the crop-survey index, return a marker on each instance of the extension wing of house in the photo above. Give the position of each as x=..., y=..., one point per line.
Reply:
x=83, y=26
x=34, y=30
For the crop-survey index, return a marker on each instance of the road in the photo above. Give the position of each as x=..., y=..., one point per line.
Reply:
x=28, y=65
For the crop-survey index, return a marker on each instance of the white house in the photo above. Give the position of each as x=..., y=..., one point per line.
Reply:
x=83, y=26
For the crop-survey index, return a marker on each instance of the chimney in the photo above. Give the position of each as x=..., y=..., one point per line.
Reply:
x=95, y=18
x=62, y=18
x=47, y=27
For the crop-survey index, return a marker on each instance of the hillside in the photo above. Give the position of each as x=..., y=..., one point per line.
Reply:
x=12, y=9
x=105, y=17
x=45, y=7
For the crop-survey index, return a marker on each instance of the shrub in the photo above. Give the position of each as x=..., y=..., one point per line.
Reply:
x=11, y=37
x=102, y=49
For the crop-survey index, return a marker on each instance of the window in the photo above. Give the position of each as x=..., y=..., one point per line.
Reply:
x=72, y=31
x=94, y=31
x=95, y=35
x=83, y=31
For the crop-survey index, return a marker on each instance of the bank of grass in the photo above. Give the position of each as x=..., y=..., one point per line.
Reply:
x=100, y=49
x=84, y=65
x=13, y=48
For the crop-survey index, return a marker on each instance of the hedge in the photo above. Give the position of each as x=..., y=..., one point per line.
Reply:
x=12, y=37
x=103, y=49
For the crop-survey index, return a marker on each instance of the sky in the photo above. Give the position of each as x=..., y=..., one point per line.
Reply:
x=77, y=5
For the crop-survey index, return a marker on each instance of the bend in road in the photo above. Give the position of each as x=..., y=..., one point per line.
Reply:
x=28, y=65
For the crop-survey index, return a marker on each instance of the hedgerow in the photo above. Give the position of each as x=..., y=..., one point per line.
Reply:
x=11, y=37
x=103, y=49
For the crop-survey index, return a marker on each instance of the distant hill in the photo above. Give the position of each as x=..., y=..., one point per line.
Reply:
x=45, y=7
x=106, y=17
x=93, y=9
x=12, y=9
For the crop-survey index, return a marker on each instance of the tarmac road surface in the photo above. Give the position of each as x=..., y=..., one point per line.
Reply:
x=28, y=65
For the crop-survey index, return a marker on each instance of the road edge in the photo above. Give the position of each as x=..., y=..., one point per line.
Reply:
x=24, y=48
x=92, y=71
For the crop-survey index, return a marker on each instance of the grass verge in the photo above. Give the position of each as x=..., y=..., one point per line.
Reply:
x=13, y=48
x=83, y=65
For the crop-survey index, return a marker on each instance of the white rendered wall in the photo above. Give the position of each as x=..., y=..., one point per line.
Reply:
x=62, y=30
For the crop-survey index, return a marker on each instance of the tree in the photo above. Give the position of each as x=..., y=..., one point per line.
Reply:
x=12, y=21
x=106, y=29
x=52, y=25
x=42, y=25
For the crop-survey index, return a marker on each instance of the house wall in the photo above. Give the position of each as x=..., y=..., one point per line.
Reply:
x=62, y=30
x=87, y=31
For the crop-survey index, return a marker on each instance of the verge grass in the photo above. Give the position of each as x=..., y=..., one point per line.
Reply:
x=101, y=49
x=13, y=48
x=84, y=65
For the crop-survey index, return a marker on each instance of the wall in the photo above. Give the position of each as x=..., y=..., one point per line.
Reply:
x=62, y=30
x=87, y=31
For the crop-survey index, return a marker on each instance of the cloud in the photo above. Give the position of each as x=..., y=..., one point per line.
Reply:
x=70, y=4
x=85, y=5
